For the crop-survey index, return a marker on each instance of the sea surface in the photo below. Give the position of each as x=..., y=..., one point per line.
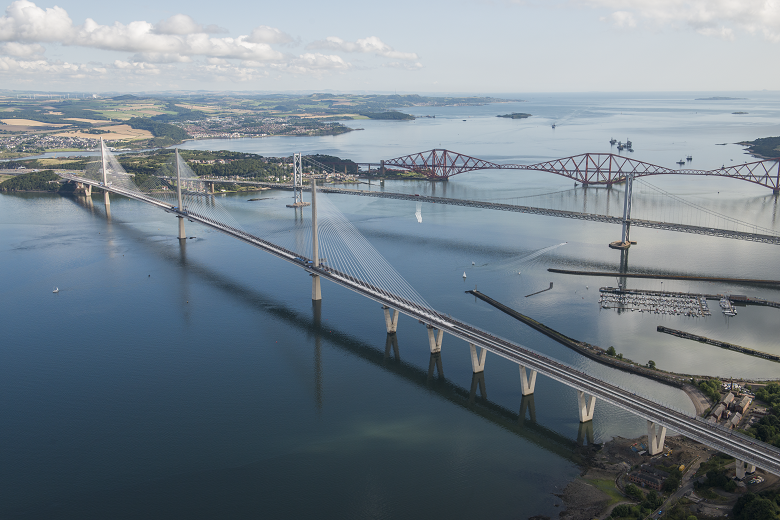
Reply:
x=198, y=380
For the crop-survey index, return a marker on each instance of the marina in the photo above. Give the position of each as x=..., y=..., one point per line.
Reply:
x=654, y=302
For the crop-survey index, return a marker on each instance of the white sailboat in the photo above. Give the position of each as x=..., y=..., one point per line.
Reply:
x=464, y=274
x=56, y=290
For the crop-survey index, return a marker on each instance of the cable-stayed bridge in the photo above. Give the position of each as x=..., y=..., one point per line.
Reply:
x=345, y=257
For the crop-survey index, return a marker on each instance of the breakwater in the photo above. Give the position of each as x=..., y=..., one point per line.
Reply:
x=593, y=352
x=717, y=343
x=659, y=276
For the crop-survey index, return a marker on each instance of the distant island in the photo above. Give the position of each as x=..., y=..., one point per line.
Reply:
x=392, y=115
x=719, y=98
x=515, y=115
x=739, y=112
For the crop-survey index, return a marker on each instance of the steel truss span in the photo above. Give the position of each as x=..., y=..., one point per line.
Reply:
x=586, y=168
x=737, y=445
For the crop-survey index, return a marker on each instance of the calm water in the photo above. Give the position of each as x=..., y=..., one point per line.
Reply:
x=198, y=380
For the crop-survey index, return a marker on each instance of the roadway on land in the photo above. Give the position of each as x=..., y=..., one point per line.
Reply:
x=737, y=445
x=652, y=224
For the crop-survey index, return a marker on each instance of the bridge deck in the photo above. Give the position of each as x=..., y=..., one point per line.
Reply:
x=592, y=217
x=740, y=446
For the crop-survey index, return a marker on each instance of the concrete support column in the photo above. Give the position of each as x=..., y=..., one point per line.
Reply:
x=477, y=383
x=742, y=469
x=527, y=406
x=316, y=292
x=106, y=198
x=391, y=319
x=435, y=364
x=528, y=383
x=477, y=360
x=434, y=339
x=585, y=405
x=88, y=190
x=585, y=435
x=182, y=233
x=391, y=345
x=656, y=434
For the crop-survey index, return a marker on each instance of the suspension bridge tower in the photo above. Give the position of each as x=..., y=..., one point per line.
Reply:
x=625, y=240
x=297, y=183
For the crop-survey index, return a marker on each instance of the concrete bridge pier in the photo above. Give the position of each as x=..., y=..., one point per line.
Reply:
x=434, y=339
x=585, y=434
x=527, y=382
x=527, y=406
x=391, y=319
x=656, y=434
x=391, y=344
x=435, y=363
x=477, y=360
x=316, y=292
x=742, y=470
x=477, y=382
x=585, y=405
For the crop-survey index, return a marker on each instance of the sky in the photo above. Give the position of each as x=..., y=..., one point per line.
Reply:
x=404, y=46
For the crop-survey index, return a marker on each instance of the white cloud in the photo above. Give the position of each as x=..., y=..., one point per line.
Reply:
x=266, y=34
x=54, y=68
x=621, y=19
x=156, y=57
x=184, y=24
x=137, y=67
x=404, y=65
x=177, y=46
x=25, y=22
x=708, y=17
x=22, y=50
x=372, y=44
x=314, y=63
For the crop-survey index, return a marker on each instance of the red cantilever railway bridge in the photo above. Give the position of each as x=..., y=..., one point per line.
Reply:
x=586, y=168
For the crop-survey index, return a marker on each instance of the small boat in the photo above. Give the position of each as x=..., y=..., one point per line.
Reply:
x=681, y=162
x=519, y=272
x=732, y=312
x=689, y=158
x=472, y=263
x=56, y=290
x=725, y=303
x=464, y=274
x=553, y=125
x=612, y=141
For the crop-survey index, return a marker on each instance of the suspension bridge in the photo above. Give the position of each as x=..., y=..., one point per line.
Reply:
x=346, y=258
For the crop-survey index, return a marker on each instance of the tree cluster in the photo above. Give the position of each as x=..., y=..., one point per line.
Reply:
x=46, y=180
x=392, y=115
x=762, y=506
x=710, y=388
x=768, y=428
x=163, y=132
